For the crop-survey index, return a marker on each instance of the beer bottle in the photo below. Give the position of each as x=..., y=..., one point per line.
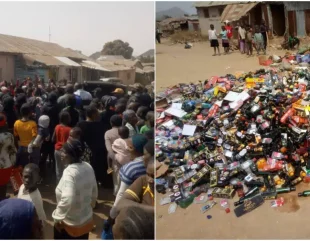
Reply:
x=304, y=193
x=285, y=189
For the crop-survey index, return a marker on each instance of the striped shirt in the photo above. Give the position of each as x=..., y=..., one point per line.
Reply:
x=76, y=193
x=131, y=171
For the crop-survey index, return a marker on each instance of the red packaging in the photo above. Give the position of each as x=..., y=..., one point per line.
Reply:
x=289, y=113
x=213, y=110
x=212, y=81
x=16, y=178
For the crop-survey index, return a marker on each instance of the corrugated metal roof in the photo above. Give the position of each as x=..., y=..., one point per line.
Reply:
x=234, y=12
x=110, y=57
x=92, y=65
x=43, y=59
x=213, y=3
x=18, y=45
x=114, y=65
x=68, y=61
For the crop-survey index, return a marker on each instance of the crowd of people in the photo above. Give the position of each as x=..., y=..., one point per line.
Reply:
x=90, y=141
x=248, y=38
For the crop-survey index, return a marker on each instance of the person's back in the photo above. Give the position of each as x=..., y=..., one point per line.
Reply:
x=81, y=179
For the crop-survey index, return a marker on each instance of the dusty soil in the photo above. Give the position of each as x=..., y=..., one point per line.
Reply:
x=264, y=222
x=174, y=64
x=47, y=189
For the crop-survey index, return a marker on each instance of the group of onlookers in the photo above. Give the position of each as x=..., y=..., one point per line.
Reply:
x=91, y=141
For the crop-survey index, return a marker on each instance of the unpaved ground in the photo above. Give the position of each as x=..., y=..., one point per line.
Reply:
x=47, y=189
x=174, y=64
x=265, y=222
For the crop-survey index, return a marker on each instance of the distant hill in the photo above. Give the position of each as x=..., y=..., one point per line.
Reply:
x=150, y=52
x=174, y=12
x=95, y=56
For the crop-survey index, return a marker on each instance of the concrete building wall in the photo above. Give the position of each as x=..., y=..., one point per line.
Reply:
x=7, y=67
x=214, y=18
x=128, y=77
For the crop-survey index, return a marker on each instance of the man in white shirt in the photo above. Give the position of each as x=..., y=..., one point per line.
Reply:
x=79, y=91
x=131, y=120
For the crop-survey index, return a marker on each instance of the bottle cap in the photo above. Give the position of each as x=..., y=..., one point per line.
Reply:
x=300, y=194
x=227, y=210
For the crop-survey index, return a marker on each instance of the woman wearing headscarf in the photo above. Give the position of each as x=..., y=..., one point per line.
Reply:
x=7, y=156
x=19, y=220
x=76, y=195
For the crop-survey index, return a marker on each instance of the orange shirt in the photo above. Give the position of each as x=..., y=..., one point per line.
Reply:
x=25, y=131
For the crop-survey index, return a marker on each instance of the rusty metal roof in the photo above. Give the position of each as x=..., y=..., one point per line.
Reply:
x=18, y=45
x=212, y=3
x=234, y=12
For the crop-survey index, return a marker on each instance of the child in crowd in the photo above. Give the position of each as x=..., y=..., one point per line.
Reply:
x=25, y=131
x=213, y=40
x=259, y=41
x=60, y=136
x=248, y=41
x=121, y=148
x=29, y=190
x=149, y=124
x=225, y=42
x=75, y=134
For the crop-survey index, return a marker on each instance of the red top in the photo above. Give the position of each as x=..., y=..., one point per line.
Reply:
x=61, y=135
x=229, y=31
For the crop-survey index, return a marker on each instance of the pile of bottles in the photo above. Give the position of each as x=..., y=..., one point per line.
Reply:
x=251, y=138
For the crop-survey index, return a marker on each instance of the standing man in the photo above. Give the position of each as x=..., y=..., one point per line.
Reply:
x=264, y=31
x=229, y=32
x=158, y=35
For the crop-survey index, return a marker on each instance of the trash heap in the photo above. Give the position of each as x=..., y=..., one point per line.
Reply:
x=245, y=136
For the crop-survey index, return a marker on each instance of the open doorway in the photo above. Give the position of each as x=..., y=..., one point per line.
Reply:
x=278, y=19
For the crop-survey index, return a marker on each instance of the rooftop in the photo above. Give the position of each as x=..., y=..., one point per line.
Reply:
x=214, y=3
x=18, y=45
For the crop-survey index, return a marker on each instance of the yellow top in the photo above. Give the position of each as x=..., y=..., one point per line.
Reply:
x=25, y=131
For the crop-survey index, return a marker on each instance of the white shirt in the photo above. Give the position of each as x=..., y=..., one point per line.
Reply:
x=85, y=95
x=212, y=34
x=241, y=32
x=76, y=193
x=35, y=198
x=132, y=130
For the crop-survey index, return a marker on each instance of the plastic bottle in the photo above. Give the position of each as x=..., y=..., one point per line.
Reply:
x=224, y=204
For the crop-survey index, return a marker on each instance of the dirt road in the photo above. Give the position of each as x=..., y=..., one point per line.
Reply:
x=174, y=64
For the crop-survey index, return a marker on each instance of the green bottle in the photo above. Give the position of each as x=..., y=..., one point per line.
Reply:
x=304, y=193
x=285, y=189
x=184, y=203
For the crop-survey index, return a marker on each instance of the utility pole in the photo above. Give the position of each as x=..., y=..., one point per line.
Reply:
x=49, y=33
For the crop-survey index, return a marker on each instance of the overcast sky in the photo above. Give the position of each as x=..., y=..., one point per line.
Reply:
x=84, y=26
x=185, y=6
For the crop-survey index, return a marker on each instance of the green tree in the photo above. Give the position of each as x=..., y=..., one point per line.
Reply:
x=117, y=47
